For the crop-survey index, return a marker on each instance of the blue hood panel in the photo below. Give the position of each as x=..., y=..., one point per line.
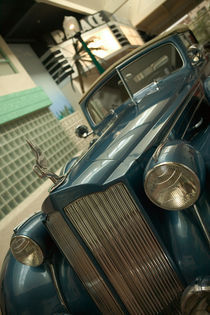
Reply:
x=128, y=136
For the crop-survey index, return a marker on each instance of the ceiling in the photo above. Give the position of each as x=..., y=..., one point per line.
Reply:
x=27, y=21
x=165, y=15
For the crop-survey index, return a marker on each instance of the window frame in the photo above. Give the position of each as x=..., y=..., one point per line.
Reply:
x=5, y=60
x=171, y=43
x=99, y=89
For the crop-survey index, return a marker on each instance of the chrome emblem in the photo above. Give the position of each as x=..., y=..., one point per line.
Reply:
x=41, y=166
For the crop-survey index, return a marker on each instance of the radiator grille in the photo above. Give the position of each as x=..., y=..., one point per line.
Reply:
x=82, y=265
x=124, y=245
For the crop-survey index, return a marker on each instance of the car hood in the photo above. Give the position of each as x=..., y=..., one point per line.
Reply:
x=128, y=136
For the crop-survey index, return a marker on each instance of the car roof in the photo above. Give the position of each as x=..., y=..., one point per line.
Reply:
x=175, y=30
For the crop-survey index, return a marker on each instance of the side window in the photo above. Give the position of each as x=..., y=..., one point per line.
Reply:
x=158, y=63
x=6, y=66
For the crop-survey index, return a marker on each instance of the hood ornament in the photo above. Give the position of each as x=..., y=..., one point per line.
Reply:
x=41, y=166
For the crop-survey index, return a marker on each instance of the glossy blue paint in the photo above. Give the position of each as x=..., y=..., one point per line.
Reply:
x=33, y=291
x=130, y=134
x=27, y=290
x=76, y=297
x=184, y=239
x=180, y=231
x=68, y=165
x=119, y=155
x=127, y=138
x=202, y=143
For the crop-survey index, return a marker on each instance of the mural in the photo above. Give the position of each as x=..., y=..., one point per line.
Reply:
x=61, y=106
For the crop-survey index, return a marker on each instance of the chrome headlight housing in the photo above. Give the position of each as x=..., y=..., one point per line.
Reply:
x=173, y=181
x=26, y=251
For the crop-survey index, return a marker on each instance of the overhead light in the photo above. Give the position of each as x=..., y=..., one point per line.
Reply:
x=70, y=26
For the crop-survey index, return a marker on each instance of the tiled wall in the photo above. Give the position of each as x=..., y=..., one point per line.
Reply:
x=17, y=180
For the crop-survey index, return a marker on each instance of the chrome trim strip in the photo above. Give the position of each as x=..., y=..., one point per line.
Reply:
x=126, y=86
x=184, y=132
x=52, y=270
x=205, y=230
x=144, y=144
x=161, y=145
x=183, y=108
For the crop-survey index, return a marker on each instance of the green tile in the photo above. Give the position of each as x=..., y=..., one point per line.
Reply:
x=21, y=103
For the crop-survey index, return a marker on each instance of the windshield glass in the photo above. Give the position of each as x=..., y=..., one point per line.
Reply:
x=108, y=97
x=154, y=65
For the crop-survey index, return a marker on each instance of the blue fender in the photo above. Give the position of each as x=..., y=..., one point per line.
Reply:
x=27, y=290
x=37, y=290
x=181, y=231
x=207, y=88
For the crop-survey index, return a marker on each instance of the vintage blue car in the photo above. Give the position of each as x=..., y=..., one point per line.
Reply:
x=125, y=228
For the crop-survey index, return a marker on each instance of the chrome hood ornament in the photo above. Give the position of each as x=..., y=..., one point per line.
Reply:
x=41, y=166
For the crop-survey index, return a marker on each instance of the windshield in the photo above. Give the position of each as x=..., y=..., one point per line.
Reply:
x=108, y=97
x=154, y=65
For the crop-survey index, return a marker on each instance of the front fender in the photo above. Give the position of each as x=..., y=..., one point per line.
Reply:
x=27, y=290
x=51, y=288
x=207, y=88
x=31, y=290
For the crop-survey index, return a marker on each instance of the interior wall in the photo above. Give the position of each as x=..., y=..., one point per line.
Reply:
x=73, y=95
x=14, y=82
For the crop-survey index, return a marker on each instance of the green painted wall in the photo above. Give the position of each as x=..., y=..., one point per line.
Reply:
x=18, y=104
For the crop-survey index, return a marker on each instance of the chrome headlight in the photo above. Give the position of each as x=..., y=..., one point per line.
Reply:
x=26, y=251
x=172, y=186
x=173, y=182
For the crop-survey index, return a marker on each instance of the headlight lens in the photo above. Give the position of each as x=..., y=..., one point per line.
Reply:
x=172, y=186
x=26, y=251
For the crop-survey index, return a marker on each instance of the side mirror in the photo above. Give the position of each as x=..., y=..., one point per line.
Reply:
x=82, y=131
x=196, y=55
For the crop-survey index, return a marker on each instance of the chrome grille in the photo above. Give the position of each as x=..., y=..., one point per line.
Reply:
x=124, y=245
x=82, y=265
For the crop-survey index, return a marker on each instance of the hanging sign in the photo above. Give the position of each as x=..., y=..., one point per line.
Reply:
x=88, y=23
